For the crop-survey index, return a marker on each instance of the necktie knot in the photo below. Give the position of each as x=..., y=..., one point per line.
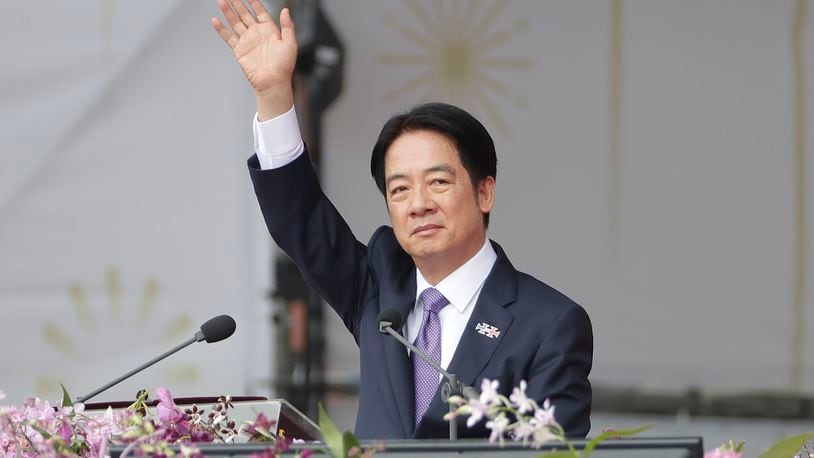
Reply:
x=433, y=300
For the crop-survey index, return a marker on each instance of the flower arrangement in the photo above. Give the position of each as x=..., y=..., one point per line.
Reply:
x=522, y=419
x=37, y=428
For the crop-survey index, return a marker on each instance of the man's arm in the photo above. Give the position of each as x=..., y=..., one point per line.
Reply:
x=299, y=216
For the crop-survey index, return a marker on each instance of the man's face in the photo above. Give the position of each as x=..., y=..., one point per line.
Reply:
x=436, y=213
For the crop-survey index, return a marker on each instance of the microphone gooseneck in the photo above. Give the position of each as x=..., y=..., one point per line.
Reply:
x=214, y=330
x=387, y=320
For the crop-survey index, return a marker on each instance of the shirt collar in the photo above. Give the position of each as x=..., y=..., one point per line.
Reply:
x=461, y=285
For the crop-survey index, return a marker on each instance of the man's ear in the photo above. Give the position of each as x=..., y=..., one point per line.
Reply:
x=486, y=194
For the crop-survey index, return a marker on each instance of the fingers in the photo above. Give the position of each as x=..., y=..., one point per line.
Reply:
x=234, y=21
x=224, y=33
x=240, y=19
x=260, y=11
x=245, y=15
x=287, y=26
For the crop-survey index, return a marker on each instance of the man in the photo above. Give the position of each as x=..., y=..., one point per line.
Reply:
x=464, y=303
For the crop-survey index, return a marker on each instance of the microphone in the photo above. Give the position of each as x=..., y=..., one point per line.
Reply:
x=214, y=330
x=391, y=318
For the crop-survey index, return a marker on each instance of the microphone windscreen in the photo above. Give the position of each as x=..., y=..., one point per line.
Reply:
x=218, y=328
x=391, y=315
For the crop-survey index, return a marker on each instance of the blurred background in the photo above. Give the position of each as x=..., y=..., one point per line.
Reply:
x=653, y=165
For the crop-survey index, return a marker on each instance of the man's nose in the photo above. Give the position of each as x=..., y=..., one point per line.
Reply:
x=421, y=202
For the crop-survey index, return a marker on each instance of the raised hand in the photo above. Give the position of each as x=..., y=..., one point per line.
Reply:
x=266, y=53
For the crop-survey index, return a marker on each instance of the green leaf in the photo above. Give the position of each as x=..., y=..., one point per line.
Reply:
x=612, y=434
x=330, y=435
x=348, y=442
x=67, y=400
x=45, y=434
x=786, y=447
x=737, y=448
x=266, y=434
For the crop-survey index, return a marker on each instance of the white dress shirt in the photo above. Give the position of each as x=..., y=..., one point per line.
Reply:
x=278, y=142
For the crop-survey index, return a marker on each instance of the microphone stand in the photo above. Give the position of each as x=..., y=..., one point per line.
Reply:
x=192, y=340
x=451, y=387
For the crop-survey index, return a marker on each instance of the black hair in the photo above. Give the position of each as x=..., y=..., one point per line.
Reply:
x=474, y=144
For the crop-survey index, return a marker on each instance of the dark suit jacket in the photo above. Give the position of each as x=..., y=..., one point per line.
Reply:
x=545, y=338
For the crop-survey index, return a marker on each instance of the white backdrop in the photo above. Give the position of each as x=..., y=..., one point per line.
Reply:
x=126, y=216
x=126, y=126
x=695, y=285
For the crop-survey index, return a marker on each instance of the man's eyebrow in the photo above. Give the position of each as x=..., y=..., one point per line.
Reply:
x=436, y=168
x=395, y=176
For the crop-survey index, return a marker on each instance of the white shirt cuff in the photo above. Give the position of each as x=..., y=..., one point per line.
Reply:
x=277, y=141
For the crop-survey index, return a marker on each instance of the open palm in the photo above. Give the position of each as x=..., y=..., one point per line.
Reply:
x=266, y=54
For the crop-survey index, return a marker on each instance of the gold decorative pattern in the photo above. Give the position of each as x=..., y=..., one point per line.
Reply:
x=182, y=373
x=59, y=340
x=176, y=328
x=92, y=324
x=800, y=203
x=457, y=55
x=149, y=295
x=82, y=307
x=114, y=293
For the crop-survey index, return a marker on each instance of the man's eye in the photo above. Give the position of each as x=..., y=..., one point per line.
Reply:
x=440, y=181
x=397, y=190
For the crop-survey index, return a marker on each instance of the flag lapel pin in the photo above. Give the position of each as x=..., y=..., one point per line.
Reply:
x=487, y=330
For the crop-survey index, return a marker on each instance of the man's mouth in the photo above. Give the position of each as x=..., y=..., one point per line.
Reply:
x=426, y=229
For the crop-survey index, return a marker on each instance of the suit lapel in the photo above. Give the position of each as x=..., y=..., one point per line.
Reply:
x=396, y=375
x=476, y=349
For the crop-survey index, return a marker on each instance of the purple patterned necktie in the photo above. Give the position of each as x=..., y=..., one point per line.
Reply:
x=425, y=378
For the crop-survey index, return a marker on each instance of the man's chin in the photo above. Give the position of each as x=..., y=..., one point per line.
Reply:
x=425, y=251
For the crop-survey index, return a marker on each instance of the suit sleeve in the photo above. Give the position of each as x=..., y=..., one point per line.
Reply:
x=559, y=371
x=307, y=226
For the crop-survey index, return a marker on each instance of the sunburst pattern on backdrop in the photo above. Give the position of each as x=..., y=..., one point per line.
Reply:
x=458, y=53
x=102, y=330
